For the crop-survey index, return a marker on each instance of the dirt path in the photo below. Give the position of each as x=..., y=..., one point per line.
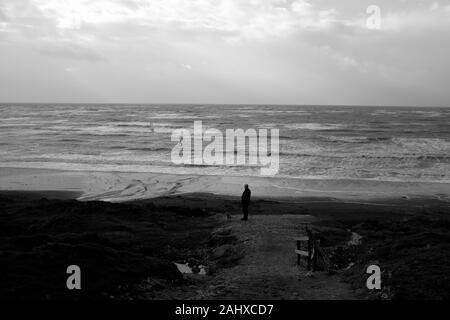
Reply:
x=268, y=269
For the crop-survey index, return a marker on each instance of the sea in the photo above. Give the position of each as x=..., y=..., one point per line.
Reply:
x=315, y=142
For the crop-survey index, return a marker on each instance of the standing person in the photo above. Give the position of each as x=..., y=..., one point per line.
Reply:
x=245, y=200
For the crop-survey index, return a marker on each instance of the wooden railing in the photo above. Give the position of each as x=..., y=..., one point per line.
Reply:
x=309, y=247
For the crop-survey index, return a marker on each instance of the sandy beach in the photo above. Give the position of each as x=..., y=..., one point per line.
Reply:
x=127, y=186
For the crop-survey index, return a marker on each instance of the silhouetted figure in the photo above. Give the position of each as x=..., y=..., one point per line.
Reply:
x=245, y=200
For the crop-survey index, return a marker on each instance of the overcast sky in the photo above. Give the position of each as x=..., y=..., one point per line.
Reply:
x=225, y=51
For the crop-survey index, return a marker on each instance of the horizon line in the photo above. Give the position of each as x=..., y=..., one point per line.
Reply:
x=232, y=104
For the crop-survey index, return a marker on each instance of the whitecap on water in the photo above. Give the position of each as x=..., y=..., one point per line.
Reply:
x=314, y=126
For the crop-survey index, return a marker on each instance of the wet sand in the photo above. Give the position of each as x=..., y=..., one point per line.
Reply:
x=122, y=187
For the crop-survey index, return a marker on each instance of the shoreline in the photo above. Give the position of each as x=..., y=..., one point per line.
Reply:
x=127, y=186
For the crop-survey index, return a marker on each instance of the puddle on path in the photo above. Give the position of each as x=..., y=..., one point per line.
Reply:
x=186, y=269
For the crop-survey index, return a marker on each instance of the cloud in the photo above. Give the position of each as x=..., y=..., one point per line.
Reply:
x=68, y=50
x=186, y=66
x=3, y=16
x=279, y=50
x=435, y=17
x=250, y=19
x=254, y=18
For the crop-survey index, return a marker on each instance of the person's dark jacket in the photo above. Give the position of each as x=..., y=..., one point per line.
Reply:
x=245, y=199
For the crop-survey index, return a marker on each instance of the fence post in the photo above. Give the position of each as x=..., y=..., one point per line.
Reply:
x=310, y=246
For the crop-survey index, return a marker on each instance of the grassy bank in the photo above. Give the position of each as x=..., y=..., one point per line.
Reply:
x=115, y=245
x=126, y=251
x=412, y=251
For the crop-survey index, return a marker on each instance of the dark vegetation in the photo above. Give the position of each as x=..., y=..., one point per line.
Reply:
x=115, y=245
x=413, y=253
x=121, y=247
